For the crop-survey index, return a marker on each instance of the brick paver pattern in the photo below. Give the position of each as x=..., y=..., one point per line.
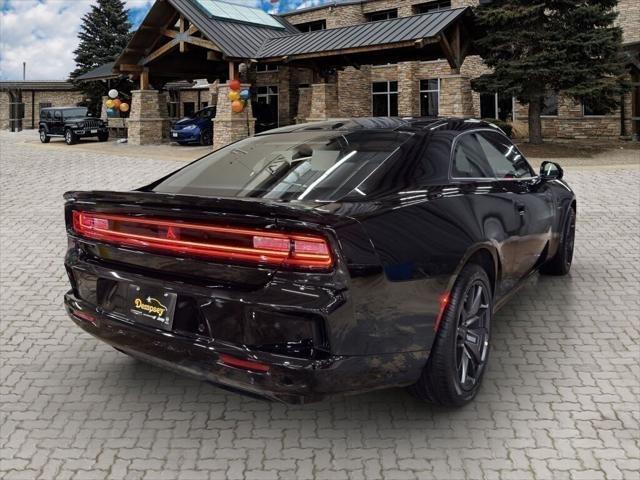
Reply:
x=560, y=399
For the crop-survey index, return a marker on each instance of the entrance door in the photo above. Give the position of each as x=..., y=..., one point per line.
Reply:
x=265, y=108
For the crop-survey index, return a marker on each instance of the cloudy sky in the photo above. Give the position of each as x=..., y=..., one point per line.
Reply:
x=43, y=33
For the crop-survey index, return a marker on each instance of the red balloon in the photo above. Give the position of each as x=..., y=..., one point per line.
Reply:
x=117, y=102
x=234, y=85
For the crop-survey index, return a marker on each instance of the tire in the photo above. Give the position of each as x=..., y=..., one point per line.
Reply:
x=103, y=137
x=205, y=137
x=458, y=360
x=69, y=137
x=44, y=138
x=560, y=264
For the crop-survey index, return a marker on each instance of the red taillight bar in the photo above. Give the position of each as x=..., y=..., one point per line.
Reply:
x=211, y=241
x=243, y=364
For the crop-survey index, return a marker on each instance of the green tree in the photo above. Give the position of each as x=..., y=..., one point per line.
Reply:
x=104, y=33
x=535, y=47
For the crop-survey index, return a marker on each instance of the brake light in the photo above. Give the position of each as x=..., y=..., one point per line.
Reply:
x=293, y=250
x=243, y=364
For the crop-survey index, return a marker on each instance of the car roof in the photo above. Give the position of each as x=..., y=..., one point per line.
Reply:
x=413, y=124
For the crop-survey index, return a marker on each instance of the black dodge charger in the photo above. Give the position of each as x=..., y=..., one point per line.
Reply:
x=323, y=258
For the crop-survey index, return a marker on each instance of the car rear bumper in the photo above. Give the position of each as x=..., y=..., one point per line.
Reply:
x=288, y=379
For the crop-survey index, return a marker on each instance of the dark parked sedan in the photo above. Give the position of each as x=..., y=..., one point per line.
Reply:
x=325, y=258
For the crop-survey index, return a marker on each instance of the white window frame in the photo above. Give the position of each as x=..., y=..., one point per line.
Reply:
x=429, y=91
x=387, y=93
x=268, y=68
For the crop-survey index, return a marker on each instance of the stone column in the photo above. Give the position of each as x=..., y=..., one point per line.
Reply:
x=408, y=90
x=456, y=99
x=304, y=104
x=354, y=91
x=228, y=126
x=324, y=102
x=148, y=120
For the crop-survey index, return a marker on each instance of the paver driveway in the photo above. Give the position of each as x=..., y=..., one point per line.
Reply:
x=560, y=400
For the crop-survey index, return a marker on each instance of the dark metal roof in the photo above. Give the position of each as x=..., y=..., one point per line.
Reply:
x=383, y=32
x=102, y=72
x=36, y=85
x=235, y=39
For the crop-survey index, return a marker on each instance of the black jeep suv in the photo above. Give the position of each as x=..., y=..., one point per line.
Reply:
x=71, y=123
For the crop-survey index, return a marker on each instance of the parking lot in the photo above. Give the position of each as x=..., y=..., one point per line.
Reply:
x=561, y=399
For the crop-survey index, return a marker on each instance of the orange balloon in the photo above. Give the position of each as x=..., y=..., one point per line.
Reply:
x=234, y=95
x=124, y=107
x=234, y=84
x=117, y=103
x=237, y=106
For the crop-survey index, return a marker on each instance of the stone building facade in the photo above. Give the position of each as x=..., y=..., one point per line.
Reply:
x=455, y=97
x=35, y=95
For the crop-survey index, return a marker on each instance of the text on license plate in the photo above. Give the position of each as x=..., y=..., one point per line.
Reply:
x=94, y=130
x=174, y=134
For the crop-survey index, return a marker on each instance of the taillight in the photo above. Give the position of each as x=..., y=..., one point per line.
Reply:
x=300, y=251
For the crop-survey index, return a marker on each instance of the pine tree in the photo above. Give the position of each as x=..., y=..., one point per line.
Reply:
x=535, y=47
x=104, y=33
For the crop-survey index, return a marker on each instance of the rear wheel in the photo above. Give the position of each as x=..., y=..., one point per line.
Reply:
x=560, y=264
x=44, y=138
x=458, y=359
x=69, y=137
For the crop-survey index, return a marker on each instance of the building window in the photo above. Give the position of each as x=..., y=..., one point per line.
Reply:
x=188, y=108
x=384, y=99
x=589, y=110
x=429, y=97
x=266, y=108
x=266, y=67
x=173, y=105
x=430, y=7
x=204, y=105
x=498, y=106
x=382, y=15
x=312, y=26
x=550, y=105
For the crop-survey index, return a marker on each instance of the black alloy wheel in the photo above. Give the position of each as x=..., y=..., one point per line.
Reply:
x=560, y=264
x=459, y=356
x=472, y=335
x=206, y=137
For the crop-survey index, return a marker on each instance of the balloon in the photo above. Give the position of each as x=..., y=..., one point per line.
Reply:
x=234, y=84
x=233, y=95
x=237, y=106
x=109, y=103
x=117, y=103
x=124, y=107
x=113, y=93
x=245, y=94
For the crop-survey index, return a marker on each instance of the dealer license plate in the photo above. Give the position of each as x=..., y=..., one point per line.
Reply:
x=94, y=131
x=152, y=306
x=174, y=135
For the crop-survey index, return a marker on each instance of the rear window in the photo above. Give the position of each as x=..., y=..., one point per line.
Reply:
x=308, y=165
x=75, y=112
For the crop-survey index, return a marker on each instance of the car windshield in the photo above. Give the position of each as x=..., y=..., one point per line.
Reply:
x=205, y=113
x=307, y=165
x=75, y=112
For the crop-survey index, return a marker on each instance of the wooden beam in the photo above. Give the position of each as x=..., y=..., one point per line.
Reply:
x=130, y=68
x=159, y=52
x=232, y=71
x=449, y=53
x=201, y=42
x=214, y=56
x=191, y=30
x=144, y=79
x=181, y=26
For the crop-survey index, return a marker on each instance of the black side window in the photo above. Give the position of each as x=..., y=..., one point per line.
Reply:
x=505, y=159
x=469, y=160
x=57, y=115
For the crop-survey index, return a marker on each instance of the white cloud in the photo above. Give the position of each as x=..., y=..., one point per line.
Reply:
x=43, y=33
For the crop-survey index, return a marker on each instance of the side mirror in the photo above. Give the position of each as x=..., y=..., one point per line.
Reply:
x=551, y=171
